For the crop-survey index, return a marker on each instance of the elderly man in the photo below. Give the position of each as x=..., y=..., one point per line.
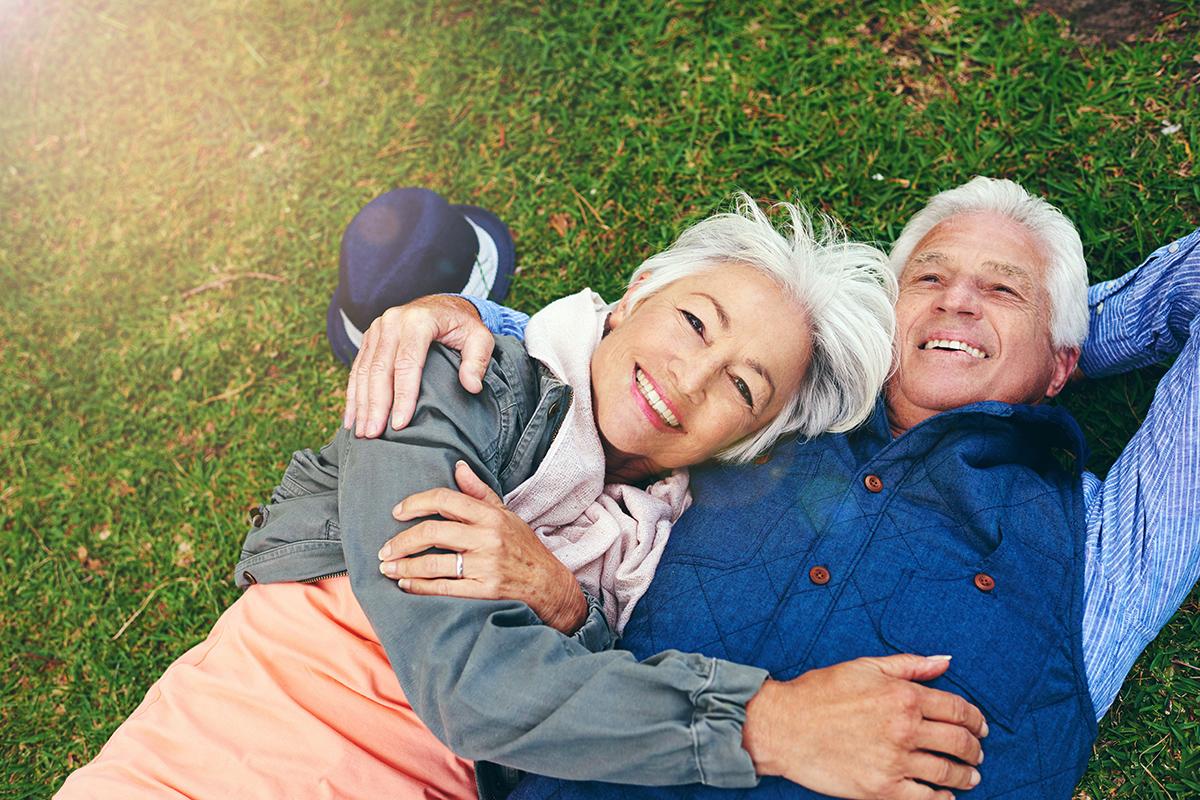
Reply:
x=945, y=525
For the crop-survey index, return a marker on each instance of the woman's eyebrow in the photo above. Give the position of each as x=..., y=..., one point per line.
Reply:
x=722, y=316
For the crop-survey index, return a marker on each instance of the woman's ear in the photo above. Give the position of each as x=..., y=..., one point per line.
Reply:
x=621, y=310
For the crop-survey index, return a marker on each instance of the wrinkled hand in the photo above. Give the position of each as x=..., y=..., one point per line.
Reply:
x=386, y=373
x=502, y=557
x=864, y=729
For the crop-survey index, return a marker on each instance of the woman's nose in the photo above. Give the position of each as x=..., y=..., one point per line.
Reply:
x=694, y=374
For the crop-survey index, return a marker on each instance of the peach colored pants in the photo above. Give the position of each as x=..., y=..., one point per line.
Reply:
x=290, y=696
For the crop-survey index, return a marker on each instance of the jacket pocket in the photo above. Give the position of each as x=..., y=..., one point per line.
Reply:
x=1000, y=646
x=302, y=518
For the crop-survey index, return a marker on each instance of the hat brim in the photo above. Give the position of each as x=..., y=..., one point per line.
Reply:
x=506, y=252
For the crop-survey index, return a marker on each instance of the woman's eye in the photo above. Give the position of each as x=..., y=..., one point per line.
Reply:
x=696, y=323
x=928, y=279
x=744, y=390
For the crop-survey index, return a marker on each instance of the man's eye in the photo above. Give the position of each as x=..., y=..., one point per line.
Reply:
x=744, y=390
x=1002, y=288
x=696, y=323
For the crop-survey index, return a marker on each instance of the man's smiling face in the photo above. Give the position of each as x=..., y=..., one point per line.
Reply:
x=973, y=321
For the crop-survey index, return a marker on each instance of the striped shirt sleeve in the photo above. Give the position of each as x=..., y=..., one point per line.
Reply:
x=1143, y=520
x=500, y=320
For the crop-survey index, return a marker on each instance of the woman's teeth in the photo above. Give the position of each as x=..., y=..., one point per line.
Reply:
x=954, y=344
x=656, y=402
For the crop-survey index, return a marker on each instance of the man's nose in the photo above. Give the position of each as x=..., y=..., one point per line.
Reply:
x=960, y=298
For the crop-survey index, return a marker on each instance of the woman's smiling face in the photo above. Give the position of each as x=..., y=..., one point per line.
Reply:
x=695, y=367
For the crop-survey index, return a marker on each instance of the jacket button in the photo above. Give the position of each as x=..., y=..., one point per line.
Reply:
x=257, y=518
x=873, y=483
x=249, y=578
x=984, y=582
x=819, y=575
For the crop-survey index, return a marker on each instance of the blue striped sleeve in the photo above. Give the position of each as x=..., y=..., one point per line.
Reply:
x=1143, y=520
x=500, y=320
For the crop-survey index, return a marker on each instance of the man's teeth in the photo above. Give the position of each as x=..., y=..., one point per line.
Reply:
x=656, y=402
x=953, y=344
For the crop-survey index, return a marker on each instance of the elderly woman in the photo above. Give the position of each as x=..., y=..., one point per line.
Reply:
x=734, y=336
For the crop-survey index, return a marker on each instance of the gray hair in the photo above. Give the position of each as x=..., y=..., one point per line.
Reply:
x=845, y=287
x=1066, y=277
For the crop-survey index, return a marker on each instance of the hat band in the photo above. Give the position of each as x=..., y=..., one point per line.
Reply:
x=352, y=332
x=483, y=273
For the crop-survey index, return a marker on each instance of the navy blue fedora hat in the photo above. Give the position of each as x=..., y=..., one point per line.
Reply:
x=408, y=243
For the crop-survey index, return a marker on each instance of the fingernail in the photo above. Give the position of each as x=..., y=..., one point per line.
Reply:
x=974, y=777
x=984, y=731
x=347, y=420
x=388, y=568
x=385, y=552
x=938, y=658
x=980, y=756
x=403, y=584
x=459, y=463
x=397, y=510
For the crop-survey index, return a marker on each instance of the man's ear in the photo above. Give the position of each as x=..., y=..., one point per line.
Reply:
x=1065, y=359
x=621, y=311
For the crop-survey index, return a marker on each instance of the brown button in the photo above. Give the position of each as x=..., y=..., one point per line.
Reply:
x=873, y=483
x=984, y=582
x=257, y=518
x=819, y=575
x=249, y=578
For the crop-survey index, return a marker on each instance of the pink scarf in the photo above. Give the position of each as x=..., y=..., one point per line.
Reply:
x=611, y=536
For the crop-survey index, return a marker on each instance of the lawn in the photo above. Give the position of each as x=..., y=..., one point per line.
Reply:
x=174, y=180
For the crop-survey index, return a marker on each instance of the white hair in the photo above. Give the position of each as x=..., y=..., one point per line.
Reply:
x=1066, y=276
x=845, y=288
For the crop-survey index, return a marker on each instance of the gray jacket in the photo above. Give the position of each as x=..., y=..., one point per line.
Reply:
x=487, y=677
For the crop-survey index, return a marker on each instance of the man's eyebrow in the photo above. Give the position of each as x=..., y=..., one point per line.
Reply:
x=929, y=256
x=722, y=316
x=1013, y=271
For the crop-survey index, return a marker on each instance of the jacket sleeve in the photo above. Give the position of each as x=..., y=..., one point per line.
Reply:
x=487, y=677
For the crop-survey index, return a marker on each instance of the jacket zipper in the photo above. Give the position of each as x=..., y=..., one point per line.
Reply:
x=323, y=577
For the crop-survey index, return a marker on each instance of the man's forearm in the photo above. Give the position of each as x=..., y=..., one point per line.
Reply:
x=1143, y=521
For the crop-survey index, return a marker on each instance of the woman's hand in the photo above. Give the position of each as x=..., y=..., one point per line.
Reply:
x=386, y=373
x=502, y=558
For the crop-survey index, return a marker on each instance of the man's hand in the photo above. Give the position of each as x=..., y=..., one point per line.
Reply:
x=386, y=373
x=502, y=559
x=863, y=729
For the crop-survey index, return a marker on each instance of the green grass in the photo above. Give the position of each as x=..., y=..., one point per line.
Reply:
x=148, y=148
